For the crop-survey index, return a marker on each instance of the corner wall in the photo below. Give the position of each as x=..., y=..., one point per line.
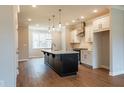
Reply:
x=7, y=46
x=117, y=42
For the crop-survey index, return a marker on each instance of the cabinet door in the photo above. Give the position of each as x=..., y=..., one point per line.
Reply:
x=46, y=58
x=105, y=22
x=58, y=63
x=96, y=25
x=86, y=57
x=89, y=33
x=87, y=38
x=83, y=56
x=89, y=58
x=101, y=24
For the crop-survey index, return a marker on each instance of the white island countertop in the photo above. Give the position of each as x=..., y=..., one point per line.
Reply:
x=59, y=51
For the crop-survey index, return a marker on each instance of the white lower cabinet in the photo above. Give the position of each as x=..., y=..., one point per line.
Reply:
x=86, y=57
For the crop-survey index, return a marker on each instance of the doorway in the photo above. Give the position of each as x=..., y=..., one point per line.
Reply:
x=101, y=53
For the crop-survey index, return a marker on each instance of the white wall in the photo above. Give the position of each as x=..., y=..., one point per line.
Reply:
x=7, y=46
x=23, y=42
x=63, y=39
x=67, y=37
x=56, y=39
x=117, y=42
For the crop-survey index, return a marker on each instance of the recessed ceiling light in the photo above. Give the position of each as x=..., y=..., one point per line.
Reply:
x=82, y=17
x=95, y=11
x=29, y=19
x=33, y=5
x=73, y=21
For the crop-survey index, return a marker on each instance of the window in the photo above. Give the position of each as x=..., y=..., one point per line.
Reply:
x=41, y=39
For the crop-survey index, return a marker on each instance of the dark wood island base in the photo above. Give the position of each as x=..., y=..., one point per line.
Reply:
x=65, y=63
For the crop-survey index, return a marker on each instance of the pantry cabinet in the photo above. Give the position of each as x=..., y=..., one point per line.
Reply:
x=101, y=23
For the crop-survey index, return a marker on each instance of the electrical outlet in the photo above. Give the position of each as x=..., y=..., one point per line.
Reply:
x=2, y=83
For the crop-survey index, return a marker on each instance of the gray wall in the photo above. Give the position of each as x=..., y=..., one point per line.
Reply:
x=105, y=49
x=7, y=46
x=101, y=50
x=117, y=41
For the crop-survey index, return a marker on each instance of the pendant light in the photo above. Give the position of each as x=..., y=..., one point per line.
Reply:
x=49, y=25
x=60, y=24
x=53, y=27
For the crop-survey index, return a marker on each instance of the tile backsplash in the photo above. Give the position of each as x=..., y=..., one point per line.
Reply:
x=83, y=44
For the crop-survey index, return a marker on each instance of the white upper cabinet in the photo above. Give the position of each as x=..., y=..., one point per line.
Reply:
x=74, y=37
x=89, y=33
x=106, y=22
x=101, y=23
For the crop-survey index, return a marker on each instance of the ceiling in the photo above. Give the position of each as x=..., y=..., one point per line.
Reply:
x=41, y=13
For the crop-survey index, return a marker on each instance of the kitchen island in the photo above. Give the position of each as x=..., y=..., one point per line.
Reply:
x=62, y=62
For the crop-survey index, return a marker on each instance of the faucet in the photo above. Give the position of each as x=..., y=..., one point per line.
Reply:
x=52, y=46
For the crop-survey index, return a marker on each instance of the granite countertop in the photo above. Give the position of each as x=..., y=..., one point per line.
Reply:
x=80, y=49
x=59, y=51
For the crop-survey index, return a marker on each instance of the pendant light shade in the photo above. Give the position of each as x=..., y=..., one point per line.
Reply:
x=49, y=28
x=60, y=25
x=53, y=27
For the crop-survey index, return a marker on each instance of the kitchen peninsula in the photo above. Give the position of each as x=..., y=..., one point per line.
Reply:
x=62, y=62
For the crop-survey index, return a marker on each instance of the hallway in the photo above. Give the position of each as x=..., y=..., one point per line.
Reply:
x=35, y=73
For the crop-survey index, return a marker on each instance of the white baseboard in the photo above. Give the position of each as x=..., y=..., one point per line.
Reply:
x=101, y=66
x=21, y=60
x=116, y=73
x=105, y=67
x=35, y=57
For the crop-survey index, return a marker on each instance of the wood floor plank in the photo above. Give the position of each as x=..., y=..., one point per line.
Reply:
x=34, y=73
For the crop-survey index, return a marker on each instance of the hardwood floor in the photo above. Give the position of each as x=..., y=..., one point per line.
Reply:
x=35, y=73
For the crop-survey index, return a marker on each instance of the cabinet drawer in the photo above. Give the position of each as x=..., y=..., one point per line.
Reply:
x=86, y=57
